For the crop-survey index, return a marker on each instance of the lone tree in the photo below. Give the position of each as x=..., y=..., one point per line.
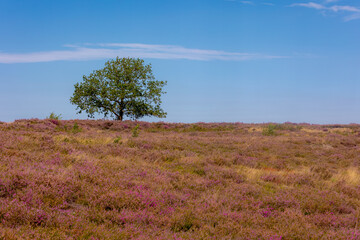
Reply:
x=124, y=87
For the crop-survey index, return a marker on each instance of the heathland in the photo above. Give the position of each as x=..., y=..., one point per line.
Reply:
x=83, y=179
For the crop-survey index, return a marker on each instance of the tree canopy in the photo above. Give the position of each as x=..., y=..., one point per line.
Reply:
x=124, y=87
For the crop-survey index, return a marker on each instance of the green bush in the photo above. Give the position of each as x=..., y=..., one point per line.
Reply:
x=54, y=116
x=287, y=127
x=76, y=128
x=135, y=131
x=118, y=140
x=269, y=130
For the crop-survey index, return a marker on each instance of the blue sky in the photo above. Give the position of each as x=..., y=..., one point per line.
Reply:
x=224, y=60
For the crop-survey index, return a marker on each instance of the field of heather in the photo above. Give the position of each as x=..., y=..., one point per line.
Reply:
x=102, y=179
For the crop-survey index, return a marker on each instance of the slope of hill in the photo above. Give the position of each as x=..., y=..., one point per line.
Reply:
x=109, y=180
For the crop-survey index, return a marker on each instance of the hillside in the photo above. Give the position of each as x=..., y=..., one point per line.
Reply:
x=101, y=179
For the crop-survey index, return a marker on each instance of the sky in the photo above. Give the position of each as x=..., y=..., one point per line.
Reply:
x=224, y=60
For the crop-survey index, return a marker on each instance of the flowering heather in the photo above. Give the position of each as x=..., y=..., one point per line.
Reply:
x=95, y=180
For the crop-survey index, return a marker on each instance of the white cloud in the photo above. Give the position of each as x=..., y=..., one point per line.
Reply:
x=111, y=50
x=247, y=2
x=337, y=8
x=309, y=5
x=333, y=8
x=352, y=17
x=268, y=4
x=240, y=1
x=331, y=1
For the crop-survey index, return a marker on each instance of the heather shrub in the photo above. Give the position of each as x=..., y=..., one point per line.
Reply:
x=323, y=202
x=298, y=179
x=107, y=125
x=322, y=172
x=270, y=177
x=220, y=161
x=185, y=222
x=196, y=128
x=229, y=174
x=249, y=161
x=199, y=171
x=344, y=188
x=170, y=156
x=132, y=144
x=224, y=181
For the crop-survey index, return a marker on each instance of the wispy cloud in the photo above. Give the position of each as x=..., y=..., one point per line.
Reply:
x=331, y=1
x=110, y=50
x=309, y=5
x=268, y=4
x=337, y=8
x=354, y=11
x=247, y=2
x=352, y=17
x=240, y=1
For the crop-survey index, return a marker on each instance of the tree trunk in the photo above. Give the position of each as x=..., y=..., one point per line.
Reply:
x=121, y=110
x=120, y=116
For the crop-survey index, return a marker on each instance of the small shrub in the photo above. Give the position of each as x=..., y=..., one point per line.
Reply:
x=118, y=140
x=76, y=128
x=54, y=116
x=135, y=131
x=288, y=127
x=56, y=122
x=199, y=171
x=269, y=130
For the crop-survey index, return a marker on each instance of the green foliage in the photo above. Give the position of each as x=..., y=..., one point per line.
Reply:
x=199, y=171
x=135, y=131
x=124, y=87
x=118, y=140
x=76, y=128
x=288, y=127
x=269, y=130
x=197, y=128
x=54, y=116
